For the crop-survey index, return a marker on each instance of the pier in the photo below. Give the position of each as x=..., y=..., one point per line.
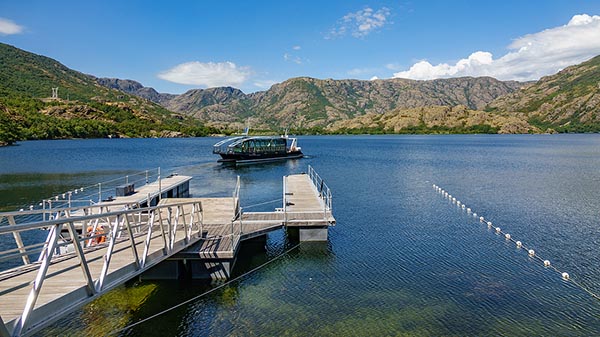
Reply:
x=155, y=232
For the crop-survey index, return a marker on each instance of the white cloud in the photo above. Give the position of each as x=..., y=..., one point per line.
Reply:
x=530, y=57
x=361, y=71
x=207, y=74
x=296, y=47
x=8, y=27
x=292, y=58
x=394, y=66
x=374, y=78
x=264, y=84
x=360, y=24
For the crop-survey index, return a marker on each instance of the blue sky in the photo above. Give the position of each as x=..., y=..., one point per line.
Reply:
x=175, y=46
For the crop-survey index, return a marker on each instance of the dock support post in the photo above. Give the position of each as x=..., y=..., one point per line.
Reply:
x=308, y=234
x=313, y=234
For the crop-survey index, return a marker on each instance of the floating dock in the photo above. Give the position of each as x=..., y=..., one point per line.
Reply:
x=155, y=232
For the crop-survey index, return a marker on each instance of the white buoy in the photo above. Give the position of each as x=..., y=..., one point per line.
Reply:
x=481, y=219
x=21, y=210
x=546, y=263
x=489, y=223
x=498, y=230
x=565, y=276
x=519, y=244
x=475, y=214
x=458, y=203
x=463, y=206
x=468, y=210
x=531, y=252
x=507, y=236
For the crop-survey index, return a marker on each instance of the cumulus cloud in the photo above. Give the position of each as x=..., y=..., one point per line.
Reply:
x=361, y=23
x=207, y=74
x=529, y=58
x=8, y=27
x=296, y=47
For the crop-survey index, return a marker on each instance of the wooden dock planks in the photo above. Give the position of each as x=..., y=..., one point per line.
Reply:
x=218, y=238
x=303, y=204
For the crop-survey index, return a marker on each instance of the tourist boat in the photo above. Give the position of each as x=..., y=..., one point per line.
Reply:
x=257, y=149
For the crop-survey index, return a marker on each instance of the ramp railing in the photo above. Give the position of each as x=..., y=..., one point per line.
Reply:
x=322, y=189
x=86, y=240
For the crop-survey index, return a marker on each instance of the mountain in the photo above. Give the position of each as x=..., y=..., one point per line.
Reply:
x=435, y=119
x=568, y=101
x=306, y=102
x=221, y=105
x=88, y=106
x=134, y=88
x=82, y=109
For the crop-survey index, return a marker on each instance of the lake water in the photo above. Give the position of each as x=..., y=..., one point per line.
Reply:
x=402, y=259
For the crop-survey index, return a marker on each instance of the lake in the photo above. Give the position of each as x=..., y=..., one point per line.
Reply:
x=402, y=259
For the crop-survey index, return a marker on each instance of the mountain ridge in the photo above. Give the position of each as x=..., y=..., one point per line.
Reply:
x=82, y=109
x=88, y=106
x=568, y=101
x=309, y=102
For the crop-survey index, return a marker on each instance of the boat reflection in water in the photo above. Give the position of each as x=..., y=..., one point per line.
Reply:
x=257, y=149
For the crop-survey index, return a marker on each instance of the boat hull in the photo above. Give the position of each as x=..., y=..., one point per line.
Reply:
x=258, y=158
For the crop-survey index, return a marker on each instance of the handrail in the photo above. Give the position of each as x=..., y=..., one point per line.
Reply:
x=174, y=223
x=48, y=223
x=93, y=194
x=323, y=190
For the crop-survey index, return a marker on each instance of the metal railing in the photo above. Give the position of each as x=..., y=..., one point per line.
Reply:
x=322, y=188
x=36, y=215
x=92, y=194
x=174, y=225
x=236, y=233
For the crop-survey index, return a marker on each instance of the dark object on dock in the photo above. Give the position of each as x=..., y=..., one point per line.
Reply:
x=125, y=190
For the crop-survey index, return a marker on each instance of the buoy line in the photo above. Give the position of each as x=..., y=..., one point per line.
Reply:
x=114, y=332
x=565, y=276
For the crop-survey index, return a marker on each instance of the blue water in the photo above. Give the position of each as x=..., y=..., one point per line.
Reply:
x=402, y=260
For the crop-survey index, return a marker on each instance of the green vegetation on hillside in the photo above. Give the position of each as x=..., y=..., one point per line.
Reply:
x=84, y=108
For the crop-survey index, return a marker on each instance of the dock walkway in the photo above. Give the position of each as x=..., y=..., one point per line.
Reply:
x=73, y=271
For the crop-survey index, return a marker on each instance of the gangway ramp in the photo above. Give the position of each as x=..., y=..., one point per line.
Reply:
x=136, y=240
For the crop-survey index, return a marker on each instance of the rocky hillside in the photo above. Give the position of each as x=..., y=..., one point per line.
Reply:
x=568, y=101
x=82, y=109
x=308, y=102
x=222, y=105
x=435, y=119
x=134, y=88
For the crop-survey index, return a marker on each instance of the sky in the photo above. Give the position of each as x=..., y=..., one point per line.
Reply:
x=174, y=46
